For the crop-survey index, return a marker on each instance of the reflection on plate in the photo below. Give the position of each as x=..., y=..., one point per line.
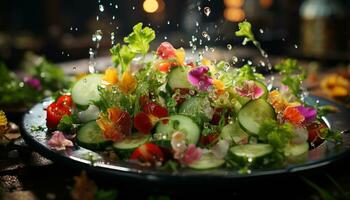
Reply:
x=82, y=158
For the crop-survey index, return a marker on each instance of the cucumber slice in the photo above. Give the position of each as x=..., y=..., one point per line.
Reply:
x=128, y=145
x=177, y=78
x=90, y=136
x=198, y=108
x=207, y=161
x=254, y=154
x=234, y=133
x=180, y=123
x=253, y=114
x=293, y=150
x=85, y=90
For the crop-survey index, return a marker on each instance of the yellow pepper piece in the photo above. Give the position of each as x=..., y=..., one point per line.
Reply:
x=180, y=56
x=111, y=75
x=335, y=85
x=127, y=83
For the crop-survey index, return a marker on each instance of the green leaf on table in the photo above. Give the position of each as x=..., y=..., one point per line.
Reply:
x=140, y=39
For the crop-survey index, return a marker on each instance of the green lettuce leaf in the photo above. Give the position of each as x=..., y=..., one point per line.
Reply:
x=140, y=39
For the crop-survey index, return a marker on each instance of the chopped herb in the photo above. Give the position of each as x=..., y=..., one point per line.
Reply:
x=122, y=55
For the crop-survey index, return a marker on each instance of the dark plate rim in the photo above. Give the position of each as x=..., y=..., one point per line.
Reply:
x=161, y=176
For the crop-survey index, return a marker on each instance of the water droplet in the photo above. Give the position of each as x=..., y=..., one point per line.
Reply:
x=101, y=8
x=165, y=37
x=76, y=29
x=113, y=17
x=261, y=31
x=74, y=68
x=262, y=63
x=177, y=25
x=296, y=46
x=97, y=37
x=226, y=67
x=207, y=11
x=235, y=59
x=229, y=47
x=283, y=39
x=197, y=24
x=97, y=18
x=112, y=38
x=133, y=8
x=168, y=22
x=199, y=8
x=62, y=52
x=116, y=6
x=67, y=54
x=212, y=49
x=206, y=48
x=249, y=62
x=71, y=28
x=206, y=35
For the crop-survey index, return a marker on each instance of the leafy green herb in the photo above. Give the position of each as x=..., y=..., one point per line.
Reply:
x=170, y=165
x=325, y=110
x=245, y=30
x=331, y=135
x=67, y=123
x=37, y=128
x=111, y=97
x=275, y=134
x=139, y=39
x=293, y=75
x=122, y=55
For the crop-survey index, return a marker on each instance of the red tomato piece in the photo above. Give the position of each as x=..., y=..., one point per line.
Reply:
x=314, y=130
x=148, y=153
x=143, y=123
x=155, y=110
x=65, y=100
x=164, y=67
x=54, y=114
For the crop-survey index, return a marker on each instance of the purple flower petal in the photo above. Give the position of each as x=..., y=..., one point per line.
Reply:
x=58, y=141
x=33, y=82
x=308, y=113
x=198, y=77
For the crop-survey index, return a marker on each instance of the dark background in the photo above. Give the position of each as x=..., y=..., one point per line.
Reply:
x=61, y=29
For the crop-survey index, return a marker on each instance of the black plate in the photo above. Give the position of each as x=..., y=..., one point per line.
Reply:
x=98, y=163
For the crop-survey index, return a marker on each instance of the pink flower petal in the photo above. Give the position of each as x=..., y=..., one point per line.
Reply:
x=250, y=89
x=58, y=141
x=166, y=51
x=191, y=155
x=198, y=77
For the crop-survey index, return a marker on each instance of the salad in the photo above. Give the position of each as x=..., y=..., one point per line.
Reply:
x=169, y=110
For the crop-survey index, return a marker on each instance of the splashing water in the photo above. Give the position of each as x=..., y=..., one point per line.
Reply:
x=229, y=47
x=261, y=31
x=96, y=39
x=112, y=38
x=101, y=8
x=207, y=11
x=92, y=63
